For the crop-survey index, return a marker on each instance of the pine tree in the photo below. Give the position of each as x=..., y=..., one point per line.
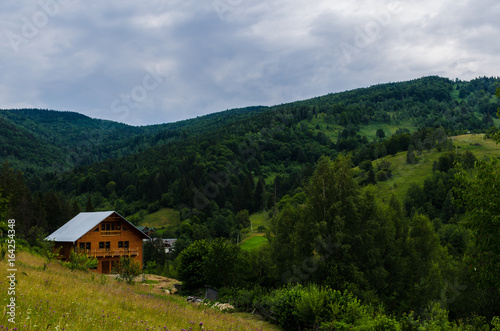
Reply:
x=89, y=207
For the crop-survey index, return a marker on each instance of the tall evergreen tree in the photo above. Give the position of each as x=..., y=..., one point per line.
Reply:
x=89, y=206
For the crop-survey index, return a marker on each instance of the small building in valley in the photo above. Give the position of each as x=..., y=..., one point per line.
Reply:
x=104, y=235
x=169, y=244
x=147, y=230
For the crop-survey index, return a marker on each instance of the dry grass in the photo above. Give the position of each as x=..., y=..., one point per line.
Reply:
x=58, y=299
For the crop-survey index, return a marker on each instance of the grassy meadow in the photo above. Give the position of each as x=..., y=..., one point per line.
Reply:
x=253, y=242
x=162, y=218
x=255, y=239
x=59, y=299
x=403, y=174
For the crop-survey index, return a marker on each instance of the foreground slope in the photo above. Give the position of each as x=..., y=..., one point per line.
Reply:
x=58, y=299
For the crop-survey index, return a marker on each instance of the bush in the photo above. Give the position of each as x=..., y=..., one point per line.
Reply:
x=322, y=308
x=383, y=175
x=311, y=306
x=128, y=269
x=284, y=307
x=80, y=261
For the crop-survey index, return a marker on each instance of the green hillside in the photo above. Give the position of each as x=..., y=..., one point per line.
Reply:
x=371, y=200
x=404, y=174
x=60, y=299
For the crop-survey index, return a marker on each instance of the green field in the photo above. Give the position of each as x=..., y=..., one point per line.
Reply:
x=403, y=174
x=259, y=219
x=333, y=130
x=253, y=242
x=162, y=218
x=254, y=238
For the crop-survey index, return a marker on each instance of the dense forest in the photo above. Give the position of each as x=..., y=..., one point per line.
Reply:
x=338, y=254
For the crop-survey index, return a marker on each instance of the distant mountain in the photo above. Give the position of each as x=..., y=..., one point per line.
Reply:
x=37, y=141
x=244, y=157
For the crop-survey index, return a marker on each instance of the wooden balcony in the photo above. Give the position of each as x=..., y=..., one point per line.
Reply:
x=111, y=233
x=102, y=252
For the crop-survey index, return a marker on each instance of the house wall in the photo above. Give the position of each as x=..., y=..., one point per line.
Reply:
x=131, y=235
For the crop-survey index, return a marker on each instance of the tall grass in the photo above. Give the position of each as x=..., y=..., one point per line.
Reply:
x=59, y=299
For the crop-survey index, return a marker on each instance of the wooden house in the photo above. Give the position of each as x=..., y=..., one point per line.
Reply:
x=104, y=235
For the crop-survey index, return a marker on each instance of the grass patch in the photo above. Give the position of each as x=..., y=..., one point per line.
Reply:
x=482, y=148
x=162, y=218
x=370, y=130
x=253, y=243
x=404, y=175
x=259, y=219
x=256, y=239
x=58, y=299
x=148, y=281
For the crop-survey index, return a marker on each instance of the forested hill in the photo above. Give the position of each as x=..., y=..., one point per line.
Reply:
x=238, y=159
x=262, y=152
x=37, y=141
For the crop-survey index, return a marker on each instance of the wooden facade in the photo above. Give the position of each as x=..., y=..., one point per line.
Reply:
x=107, y=241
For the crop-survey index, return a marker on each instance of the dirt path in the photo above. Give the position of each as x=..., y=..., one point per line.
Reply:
x=157, y=282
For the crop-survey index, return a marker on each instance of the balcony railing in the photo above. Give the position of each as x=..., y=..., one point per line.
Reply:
x=111, y=233
x=102, y=252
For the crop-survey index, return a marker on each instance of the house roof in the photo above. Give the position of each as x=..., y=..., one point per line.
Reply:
x=82, y=223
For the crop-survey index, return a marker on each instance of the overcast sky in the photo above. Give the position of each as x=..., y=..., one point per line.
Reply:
x=148, y=62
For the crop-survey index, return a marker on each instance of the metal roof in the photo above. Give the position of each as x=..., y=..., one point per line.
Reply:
x=82, y=223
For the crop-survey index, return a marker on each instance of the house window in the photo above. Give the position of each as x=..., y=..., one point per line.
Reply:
x=120, y=244
x=118, y=227
x=108, y=226
x=126, y=244
x=107, y=245
x=103, y=227
x=96, y=229
x=82, y=245
x=101, y=244
x=124, y=229
x=88, y=245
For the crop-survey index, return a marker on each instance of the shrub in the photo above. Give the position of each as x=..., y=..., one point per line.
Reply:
x=284, y=306
x=311, y=306
x=128, y=269
x=80, y=261
x=322, y=308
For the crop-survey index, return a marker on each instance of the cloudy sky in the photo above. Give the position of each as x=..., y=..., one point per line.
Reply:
x=160, y=61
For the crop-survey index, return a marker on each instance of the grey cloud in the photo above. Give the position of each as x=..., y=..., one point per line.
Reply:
x=223, y=54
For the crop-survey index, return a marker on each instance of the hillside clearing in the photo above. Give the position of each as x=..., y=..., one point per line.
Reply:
x=254, y=242
x=162, y=218
x=404, y=175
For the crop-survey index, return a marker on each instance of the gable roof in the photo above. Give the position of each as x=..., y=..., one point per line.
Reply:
x=82, y=223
